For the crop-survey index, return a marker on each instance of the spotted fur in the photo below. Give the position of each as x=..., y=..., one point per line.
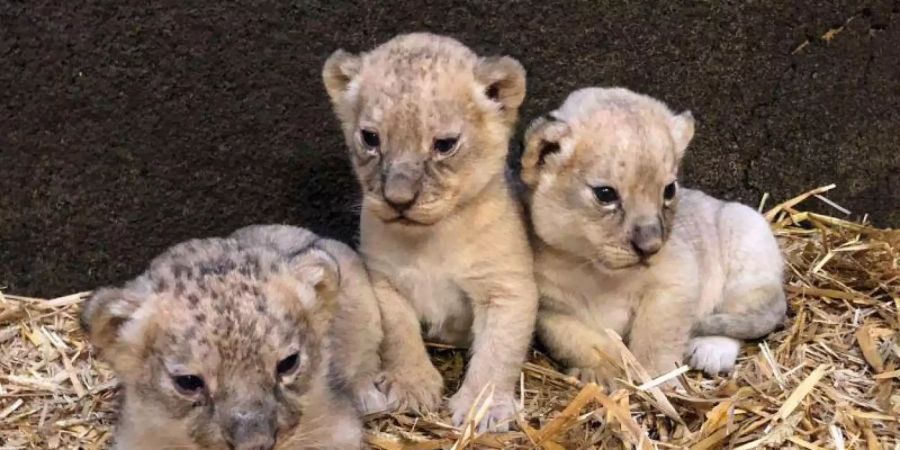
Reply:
x=227, y=311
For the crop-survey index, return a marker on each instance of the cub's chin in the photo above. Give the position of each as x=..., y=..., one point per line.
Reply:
x=403, y=221
x=619, y=263
x=417, y=217
x=409, y=221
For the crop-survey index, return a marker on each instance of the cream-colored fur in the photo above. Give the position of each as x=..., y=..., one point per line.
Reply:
x=230, y=312
x=441, y=233
x=656, y=270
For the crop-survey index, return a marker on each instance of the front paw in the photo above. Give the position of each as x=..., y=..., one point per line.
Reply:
x=601, y=375
x=713, y=354
x=500, y=413
x=369, y=398
x=411, y=388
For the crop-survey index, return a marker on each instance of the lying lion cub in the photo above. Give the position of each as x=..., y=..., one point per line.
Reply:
x=427, y=123
x=252, y=342
x=621, y=245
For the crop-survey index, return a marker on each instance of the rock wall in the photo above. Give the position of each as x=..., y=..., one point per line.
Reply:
x=126, y=127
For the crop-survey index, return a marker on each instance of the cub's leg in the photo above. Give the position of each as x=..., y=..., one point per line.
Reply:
x=574, y=344
x=408, y=379
x=357, y=334
x=750, y=309
x=661, y=329
x=505, y=307
x=753, y=302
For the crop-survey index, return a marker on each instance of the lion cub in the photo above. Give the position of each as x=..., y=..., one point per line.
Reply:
x=427, y=123
x=620, y=245
x=235, y=343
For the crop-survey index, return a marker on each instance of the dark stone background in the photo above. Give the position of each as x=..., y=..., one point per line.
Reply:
x=126, y=126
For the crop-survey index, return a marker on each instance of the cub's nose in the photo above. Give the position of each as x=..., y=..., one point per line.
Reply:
x=400, y=191
x=248, y=431
x=399, y=205
x=647, y=239
x=255, y=446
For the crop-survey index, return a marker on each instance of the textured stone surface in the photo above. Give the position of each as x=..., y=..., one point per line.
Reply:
x=126, y=127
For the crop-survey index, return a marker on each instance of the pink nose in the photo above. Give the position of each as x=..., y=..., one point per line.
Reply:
x=647, y=239
x=400, y=191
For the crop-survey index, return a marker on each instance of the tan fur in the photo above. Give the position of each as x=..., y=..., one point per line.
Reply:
x=228, y=310
x=456, y=256
x=356, y=332
x=705, y=268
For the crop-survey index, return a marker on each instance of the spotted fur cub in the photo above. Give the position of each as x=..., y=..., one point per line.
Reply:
x=428, y=123
x=620, y=245
x=229, y=343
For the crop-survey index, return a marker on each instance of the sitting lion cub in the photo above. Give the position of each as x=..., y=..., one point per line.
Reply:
x=621, y=245
x=427, y=123
x=231, y=343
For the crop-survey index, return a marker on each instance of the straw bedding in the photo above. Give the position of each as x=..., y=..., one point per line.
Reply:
x=829, y=379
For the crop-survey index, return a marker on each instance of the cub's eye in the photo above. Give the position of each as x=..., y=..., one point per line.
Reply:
x=606, y=194
x=370, y=138
x=288, y=365
x=188, y=384
x=669, y=191
x=445, y=146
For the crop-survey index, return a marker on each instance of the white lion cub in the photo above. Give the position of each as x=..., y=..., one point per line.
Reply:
x=620, y=245
x=428, y=123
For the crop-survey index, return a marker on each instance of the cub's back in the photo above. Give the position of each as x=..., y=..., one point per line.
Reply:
x=726, y=239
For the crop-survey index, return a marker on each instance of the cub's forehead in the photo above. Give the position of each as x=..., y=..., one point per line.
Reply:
x=616, y=133
x=216, y=293
x=624, y=132
x=625, y=150
x=414, y=55
x=418, y=67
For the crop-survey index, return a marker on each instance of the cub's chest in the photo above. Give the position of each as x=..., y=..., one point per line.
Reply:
x=598, y=301
x=440, y=304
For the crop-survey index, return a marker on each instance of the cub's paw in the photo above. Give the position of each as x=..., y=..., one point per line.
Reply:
x=600, y=375
x=713, y=354
x=369, y=399
x=413, y=388
x=500, y=413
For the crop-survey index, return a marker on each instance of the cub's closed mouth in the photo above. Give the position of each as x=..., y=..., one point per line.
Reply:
x=406, y=221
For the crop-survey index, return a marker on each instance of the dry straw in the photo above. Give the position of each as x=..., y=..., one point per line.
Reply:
x=828, y=380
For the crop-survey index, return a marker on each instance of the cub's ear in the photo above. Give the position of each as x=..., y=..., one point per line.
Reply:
x=543, y=147
x=317, y=279
x=682, y=127
x=104, y=314
x=503, y=79
x=340, y=69
x=318, y=270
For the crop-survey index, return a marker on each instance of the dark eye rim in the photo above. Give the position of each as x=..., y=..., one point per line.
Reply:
x=670, y=194
x=370, y=138
x=288, y=365
x=605, y=194
x=188, y=384
x=450, y=143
